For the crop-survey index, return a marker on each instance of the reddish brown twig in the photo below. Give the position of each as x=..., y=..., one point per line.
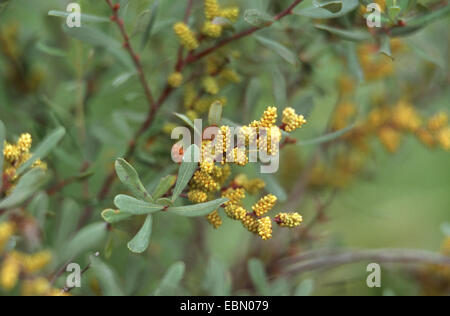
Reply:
x=180, y=65
x=194, y=57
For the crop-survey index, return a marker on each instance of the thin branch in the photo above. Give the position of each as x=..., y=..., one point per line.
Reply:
x=194, y=57
x=330, y=259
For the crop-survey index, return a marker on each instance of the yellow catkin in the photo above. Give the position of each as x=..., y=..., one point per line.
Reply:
x=345, y=111
x=269, y=117
x=190, y=95
x=230, y=75
x=223, y=142
x=221, y=175
x=251, y=223
x=426, y=137
x=210, y=85
x=168, y=128
x=264, y=205
x=239, y=156
x=35, y=287
x=252, y=186
x=203, y=104
x=289, y=220
x=235, y=196
x=212, y=9
x=405, y=117
x=9, y=273
x=444, y=138
x=231, y=14
x=11, y=152
x=214, y=219
x=438, y=121
x=207, y=166
x=24, y=142
x=265, y=228
x=175, y=80
x=204, y=181
x=235, y=212
x=212, y=29
x=291, y=120
x=192, y=115
x=186, y=36
x=37, y=261
x=390, y=138
x=7, y=229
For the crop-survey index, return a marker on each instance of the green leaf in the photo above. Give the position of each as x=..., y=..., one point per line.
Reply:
x=171, y=280
x=38, y=208
x=140, y=242
x=165, y=202
x=217, y=280
x=187, y=170
x=188, y=121
x=318, y=11
x=279, y=86
x=97, y=38
x=279, y=49
x=2, y=143
x=114, y=216
x=51, y=51
x=84, y=17
x=151, y=23
x=28, y=184
x=393, y=12
x=257, y=18
x=215, y=113
x=130, y=205
x=70, y=215
x=332, y=6
x=305, y=288
x=353, y=62
x=420, y=22
x=107, y=278
x=87, y=239
x=164, y=186
x=355, y=35
x=196, y=210
x=258, y=276
x=385, y=47
x=327, y=138
x=44, y=148
x=129, y=177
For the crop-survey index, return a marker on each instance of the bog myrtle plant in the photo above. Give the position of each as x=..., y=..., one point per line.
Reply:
x=138, y=137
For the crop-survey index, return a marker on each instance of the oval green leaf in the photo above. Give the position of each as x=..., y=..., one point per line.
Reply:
x=130, y=205
x=140, y=242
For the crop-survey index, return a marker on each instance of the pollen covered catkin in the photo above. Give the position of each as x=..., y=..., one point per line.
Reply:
x=186, y=36
x=291, y=120
x=175, y=79
x=289, y=220
x=264, y=205
x=265, y=228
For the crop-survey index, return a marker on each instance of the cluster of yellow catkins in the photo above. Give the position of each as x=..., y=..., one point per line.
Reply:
x=213, y=27
x=15, y=265
x=216, y=19
x=387, y=123
x=15, y=155
x=212, y=174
